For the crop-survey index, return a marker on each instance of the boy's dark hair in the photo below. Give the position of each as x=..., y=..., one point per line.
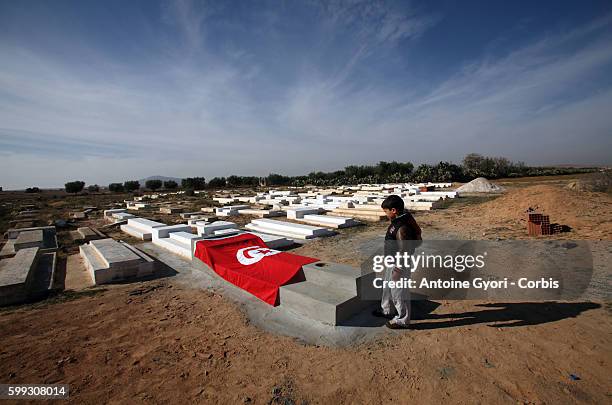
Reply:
x=393, y=201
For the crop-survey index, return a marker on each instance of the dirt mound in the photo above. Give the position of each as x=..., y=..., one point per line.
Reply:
x=583, y=211
x=601, y=182
x=480, y=185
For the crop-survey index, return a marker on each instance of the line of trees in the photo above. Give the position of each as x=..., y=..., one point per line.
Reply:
x=473, y=165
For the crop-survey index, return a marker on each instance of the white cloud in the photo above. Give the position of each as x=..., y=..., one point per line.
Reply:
x=191, y=111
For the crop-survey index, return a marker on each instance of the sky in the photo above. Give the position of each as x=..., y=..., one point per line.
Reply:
x=106, y=91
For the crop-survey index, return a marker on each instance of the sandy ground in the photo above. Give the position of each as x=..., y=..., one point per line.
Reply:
x=160, y=341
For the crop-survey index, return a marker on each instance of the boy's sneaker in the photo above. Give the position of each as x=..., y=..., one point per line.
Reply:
x=380, y=314
x=393, y=325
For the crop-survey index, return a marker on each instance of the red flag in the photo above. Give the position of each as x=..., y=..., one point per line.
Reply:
x=245, y=261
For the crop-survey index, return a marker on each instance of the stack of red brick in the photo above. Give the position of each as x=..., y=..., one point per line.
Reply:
x=539, y=224
x=427, y=188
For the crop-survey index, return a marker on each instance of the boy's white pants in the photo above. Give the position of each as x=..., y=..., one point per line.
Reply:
x=396, y=300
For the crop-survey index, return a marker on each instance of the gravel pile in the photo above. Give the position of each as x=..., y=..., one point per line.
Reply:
x=480, y=185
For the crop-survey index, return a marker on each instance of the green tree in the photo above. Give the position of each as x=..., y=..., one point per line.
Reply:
x=93, y=188
x=278, y=180
x=423, y=173
x=116, y=188
x=170, y=184
x=74, y=186
x=153, y=184
x=217, y=182
x=194, y=183
x=234, y=181
x=131, y=185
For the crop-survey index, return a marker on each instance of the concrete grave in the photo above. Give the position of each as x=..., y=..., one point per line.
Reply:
x=295, y=213
x=86, y=234
x=288, y=229
x=262, y=213
x=329, y=294
x=330, y=221
x=165, y=231
x=108, y=260
x=26, y=276
x=141, y=228
x=207, y=229
x=31, y=237
x=181, y=243
x=170, y=210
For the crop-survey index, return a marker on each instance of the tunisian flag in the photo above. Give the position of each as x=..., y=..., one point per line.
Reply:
x=245, y=261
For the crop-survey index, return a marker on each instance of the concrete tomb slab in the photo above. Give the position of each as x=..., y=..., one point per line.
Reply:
x=330, y=221
x=48, y=245
x=165, y=231
x=209, y=229
x=108, y=260
x=26, y=276
x=170, y=210
x=29, y=239
x=288, y=229
x=141, y=228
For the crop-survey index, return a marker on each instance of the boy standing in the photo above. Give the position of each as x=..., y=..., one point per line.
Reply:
x=397, y=300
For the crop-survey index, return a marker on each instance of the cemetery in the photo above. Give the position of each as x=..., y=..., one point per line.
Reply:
x=161, y=245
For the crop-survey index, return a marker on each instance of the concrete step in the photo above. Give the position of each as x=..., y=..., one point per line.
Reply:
x=209, y=229
x=324, y=304
x=293, y=228
x=273, y=241
x=330, y=221
x=333, y=274
x=135, y=232
x=367, y=215
x=143, y=224
x=164, y=231
x=256, y=228
x=175, y=247
x=92, y=260
x=295, y=213
x=227, y=232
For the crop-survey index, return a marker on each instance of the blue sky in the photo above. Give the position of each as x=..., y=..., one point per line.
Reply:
x=110, y=90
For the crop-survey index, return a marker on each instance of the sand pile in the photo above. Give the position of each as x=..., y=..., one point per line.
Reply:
x=480, y=185
x=581, y=211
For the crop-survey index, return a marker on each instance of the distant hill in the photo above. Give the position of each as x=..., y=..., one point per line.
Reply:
x=162, y=178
